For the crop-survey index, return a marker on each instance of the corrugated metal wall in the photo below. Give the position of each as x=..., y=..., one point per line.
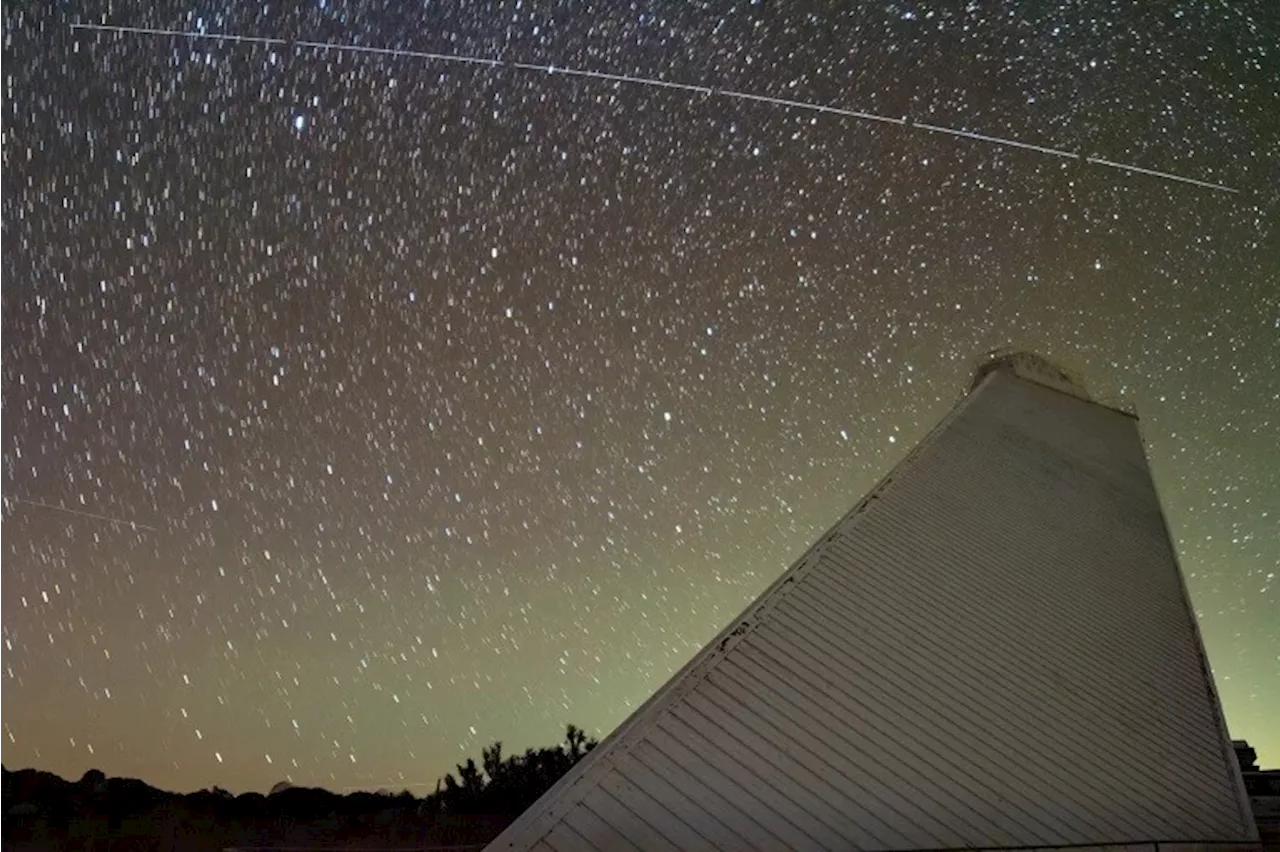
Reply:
x=994, y=649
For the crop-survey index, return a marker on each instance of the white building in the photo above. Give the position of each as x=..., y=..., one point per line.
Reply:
x=993, y=650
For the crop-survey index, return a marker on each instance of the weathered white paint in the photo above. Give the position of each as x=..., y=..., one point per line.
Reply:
x=993, y=650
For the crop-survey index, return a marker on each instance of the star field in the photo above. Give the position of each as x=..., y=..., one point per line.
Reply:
x=437, y=405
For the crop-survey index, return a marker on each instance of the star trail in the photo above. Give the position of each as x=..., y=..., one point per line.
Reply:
x=363, y=405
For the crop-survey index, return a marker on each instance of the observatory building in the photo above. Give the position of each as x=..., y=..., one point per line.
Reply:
x=993, y=649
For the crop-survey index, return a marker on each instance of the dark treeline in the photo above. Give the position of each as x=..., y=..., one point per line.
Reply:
x=45, y=812
x=508, y=785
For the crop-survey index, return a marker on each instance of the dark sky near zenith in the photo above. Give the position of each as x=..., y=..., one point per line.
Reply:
x=467, y=402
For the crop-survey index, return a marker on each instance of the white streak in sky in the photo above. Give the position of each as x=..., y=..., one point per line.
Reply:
x=83, y=514
x=664, y=84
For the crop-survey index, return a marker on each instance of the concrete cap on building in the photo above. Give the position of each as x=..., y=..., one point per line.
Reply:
x=1030, y=367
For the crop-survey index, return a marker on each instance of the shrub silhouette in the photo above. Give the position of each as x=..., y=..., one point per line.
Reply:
x=508, y=785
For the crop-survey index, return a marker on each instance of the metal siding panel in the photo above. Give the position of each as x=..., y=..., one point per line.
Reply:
x=564, y=838
x=931, y=810
x=976, y=778
x=987, y=700
x=597, y=832
x=664, y=816
x=1067, y=717
x=984, y=711
x=979, y=618
x=879, y=812
x=735, y=789
x=696, y=804
x=1172, y=679
x=989, y=634
x=930, y=735
x=1092, y=665
x=1033, y=656
x=993, y=648
x=795, y=777
x=620, y=817
x=795, y=826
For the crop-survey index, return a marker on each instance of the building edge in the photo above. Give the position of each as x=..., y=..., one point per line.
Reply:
x=620, y=741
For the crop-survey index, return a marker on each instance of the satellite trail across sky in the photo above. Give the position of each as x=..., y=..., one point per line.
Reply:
x=665, y=84
x=80, y=513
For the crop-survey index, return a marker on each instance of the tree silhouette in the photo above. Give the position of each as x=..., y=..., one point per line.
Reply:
x=93, y=778
x=576, y=740
x=491, y=758
x=506, y=785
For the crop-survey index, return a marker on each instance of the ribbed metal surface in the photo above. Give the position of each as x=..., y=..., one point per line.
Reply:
x=993, y=650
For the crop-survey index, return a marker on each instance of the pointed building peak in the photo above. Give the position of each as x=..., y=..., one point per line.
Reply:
x=1031, y=367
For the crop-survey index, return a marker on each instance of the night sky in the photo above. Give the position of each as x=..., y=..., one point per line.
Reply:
x=450, y=404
